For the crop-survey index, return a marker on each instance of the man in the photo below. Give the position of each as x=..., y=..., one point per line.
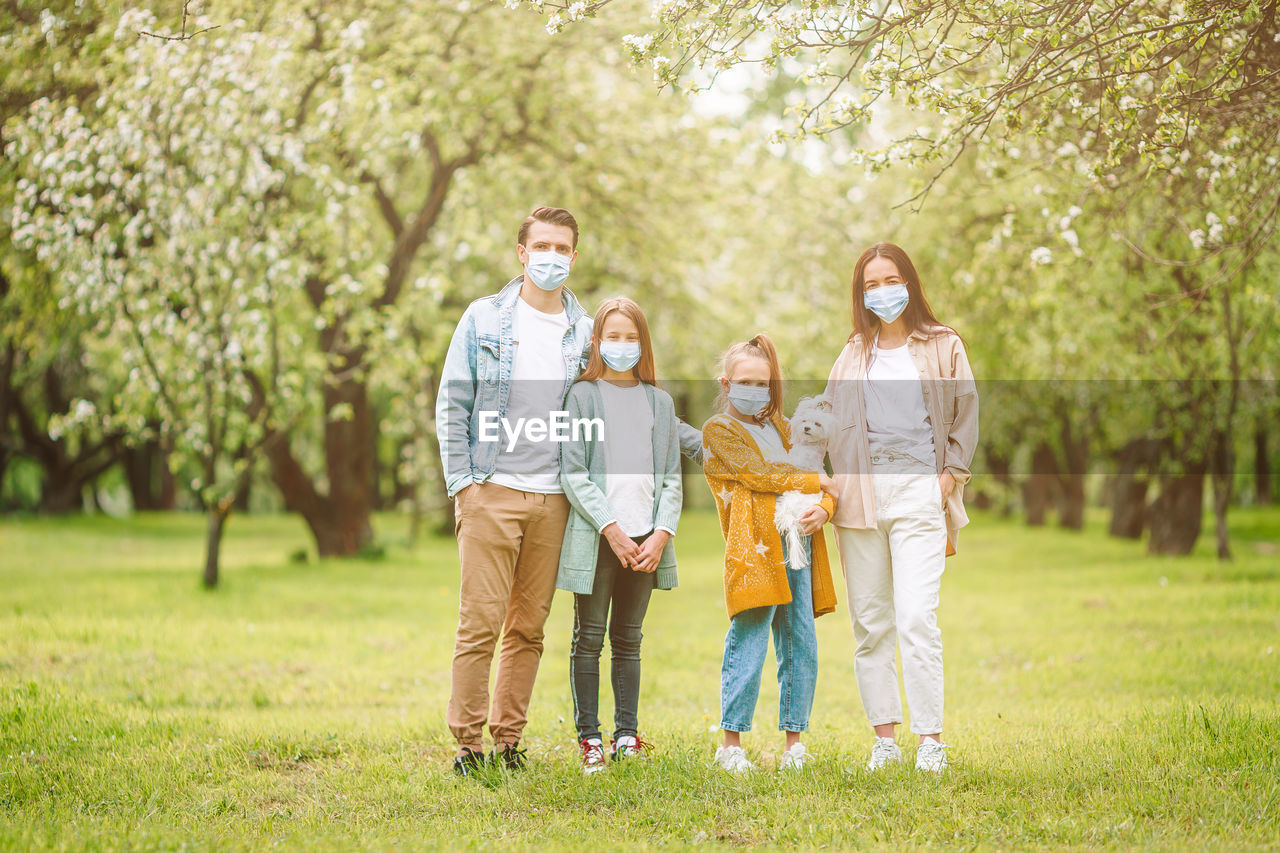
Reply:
x=513, y=356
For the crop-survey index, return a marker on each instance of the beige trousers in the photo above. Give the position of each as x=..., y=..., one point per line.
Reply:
x=894, y=573
x=509, y=545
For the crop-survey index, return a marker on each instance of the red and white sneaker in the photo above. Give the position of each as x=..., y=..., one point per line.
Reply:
x=629, y=746
x=592, y=755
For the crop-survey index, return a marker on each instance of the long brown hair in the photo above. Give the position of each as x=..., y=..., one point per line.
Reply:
x=644, y=369
x=758, y=347
x=918, y=315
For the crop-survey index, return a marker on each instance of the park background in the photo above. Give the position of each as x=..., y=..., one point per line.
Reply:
x=236, y=239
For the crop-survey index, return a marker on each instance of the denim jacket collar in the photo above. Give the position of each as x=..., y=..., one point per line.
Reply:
x=511, y=292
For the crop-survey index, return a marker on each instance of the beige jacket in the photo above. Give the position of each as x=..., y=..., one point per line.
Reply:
x=951, y=398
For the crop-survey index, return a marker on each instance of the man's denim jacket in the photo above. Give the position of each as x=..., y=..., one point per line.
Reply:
x=477, y=378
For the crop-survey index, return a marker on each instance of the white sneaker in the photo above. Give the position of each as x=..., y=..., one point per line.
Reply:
x=885, y=751
x=592, y=756
x=733, y=759
x=629, y=746
x=795, y=758
x=931, y=756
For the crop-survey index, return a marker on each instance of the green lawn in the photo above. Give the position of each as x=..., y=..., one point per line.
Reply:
x=1096, y=697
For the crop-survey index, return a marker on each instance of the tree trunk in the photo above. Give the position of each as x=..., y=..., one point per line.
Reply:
x=146, y=471
x=137, y=464
x=1176, y=514
x=1129, y=506
x=1075, y=445
x=61, y=490
x=1223, y=473
x=243, y=494
x=1038, y=489
x=217, y=516
x=340, y=521
x=1262, y=466
x=402, y=491
x=1224, y=465
x=377, y=501
x=1129, y=488
x=1001, y=469
x=245, y=489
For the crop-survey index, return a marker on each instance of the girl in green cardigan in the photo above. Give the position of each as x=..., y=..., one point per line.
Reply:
x=624, y=489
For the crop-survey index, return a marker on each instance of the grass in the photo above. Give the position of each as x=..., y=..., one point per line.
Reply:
x=1096, y=697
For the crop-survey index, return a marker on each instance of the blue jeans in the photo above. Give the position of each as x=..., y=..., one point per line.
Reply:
x=795, y=642
x=618, y=602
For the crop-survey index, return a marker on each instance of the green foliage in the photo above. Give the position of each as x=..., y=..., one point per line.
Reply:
x=1096, y=697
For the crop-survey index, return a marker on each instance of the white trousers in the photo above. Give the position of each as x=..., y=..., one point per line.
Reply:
x=893, y=574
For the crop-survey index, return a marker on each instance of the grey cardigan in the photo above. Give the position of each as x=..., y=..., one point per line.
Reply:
x=582, y=475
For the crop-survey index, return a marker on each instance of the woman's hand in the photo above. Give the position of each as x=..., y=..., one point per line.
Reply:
x=624, y=547
x=813, y=519
x=650, y=552
x=946, y=482
x=828, y=485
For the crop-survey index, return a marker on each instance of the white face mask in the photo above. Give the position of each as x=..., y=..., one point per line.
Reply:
x=749, y=400
x=887, y=302
x=620, y=355
x=547, y=270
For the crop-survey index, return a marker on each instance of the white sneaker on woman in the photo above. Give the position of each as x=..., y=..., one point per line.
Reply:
x=885, y=751
x=931, y=756
x=733, y=759
x=796, y=757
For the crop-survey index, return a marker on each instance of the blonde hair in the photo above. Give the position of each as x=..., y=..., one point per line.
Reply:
x=644, y=369
x=758, y=347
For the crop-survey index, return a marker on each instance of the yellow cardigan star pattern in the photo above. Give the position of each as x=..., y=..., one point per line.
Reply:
x=745, y=487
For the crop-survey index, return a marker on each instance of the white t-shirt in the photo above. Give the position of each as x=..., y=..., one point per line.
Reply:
x=897, y=420
x=537, y=389
x=768, y=440
x=628, y=456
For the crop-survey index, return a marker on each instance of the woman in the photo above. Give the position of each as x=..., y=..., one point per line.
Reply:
x=907, y=408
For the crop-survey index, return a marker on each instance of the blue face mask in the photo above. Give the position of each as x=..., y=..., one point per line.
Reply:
x=548, y=270
x=620, y=355
x=749, y=400
x=887, y=302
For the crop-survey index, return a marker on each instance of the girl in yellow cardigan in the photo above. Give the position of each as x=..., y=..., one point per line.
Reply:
x=766, y=588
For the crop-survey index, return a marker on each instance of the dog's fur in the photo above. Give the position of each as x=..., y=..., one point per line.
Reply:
x=812, y=428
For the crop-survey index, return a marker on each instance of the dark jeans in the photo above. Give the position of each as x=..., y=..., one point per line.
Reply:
x=626, y=592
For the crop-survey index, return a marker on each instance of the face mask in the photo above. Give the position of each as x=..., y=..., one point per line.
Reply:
x=620, y=355
x=750, y=400
x=548, y=269
x=887, y=302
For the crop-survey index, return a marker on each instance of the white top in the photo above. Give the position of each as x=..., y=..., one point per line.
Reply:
x=537, y=389
x=628, y=456
x=897, y=420
x=768, y=439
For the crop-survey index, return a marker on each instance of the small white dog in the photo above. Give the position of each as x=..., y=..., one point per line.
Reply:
x=812, y=428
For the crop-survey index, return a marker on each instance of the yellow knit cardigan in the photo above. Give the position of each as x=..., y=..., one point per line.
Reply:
x=745, y=487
